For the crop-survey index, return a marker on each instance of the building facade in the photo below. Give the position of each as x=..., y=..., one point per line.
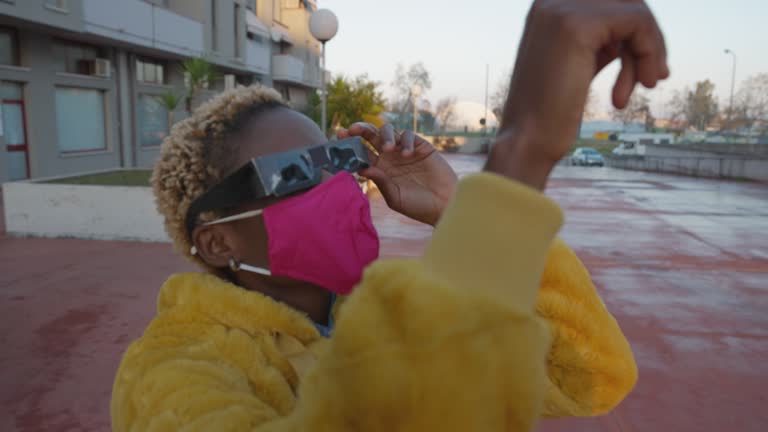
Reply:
x=81, y=80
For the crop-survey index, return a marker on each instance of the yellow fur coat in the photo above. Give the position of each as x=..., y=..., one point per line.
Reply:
x=497, y=325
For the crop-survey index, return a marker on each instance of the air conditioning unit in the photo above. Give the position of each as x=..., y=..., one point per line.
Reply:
x=102, y=68
x=98, y=68
x=229, y=82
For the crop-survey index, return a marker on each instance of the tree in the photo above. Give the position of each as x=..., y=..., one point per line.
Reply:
x=698, y=106
x=199, y=73
x=170, y=101
x=349, y=100
x=499, y=96
x=416, y=77
x=445, y=112
x=751, y=105
x=637, y=110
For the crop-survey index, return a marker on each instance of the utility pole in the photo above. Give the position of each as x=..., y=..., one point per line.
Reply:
x=487, y=74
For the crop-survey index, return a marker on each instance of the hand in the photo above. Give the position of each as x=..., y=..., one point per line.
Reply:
x=564, y=45
x=413, y=177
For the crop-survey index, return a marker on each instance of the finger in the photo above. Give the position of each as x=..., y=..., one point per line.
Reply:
x=365, y=130
x=406, y=142
x=385, y=184
x=606, y=56
x=342, y=133
x=643, y=41
x=663, y=65
x=422, y=147
x=625, y=82
x=388, y=139
x=373, y=157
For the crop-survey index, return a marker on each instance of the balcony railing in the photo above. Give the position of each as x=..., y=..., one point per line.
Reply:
x=141, y=23
x=288, y=68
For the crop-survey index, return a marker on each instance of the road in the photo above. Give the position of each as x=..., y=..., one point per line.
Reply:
x=682, y=263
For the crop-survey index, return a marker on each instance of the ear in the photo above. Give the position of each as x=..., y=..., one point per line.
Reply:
x=214, y=244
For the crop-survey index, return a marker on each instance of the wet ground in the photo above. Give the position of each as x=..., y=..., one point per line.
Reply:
x=682, y=263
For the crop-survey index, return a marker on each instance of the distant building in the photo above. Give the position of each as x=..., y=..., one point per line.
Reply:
x=80, y=79
x=590, y=128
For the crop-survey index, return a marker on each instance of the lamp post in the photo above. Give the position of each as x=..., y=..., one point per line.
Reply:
x=323, y=25
x=733, y=81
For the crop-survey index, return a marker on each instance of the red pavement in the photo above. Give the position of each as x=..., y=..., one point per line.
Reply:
x=682, y=263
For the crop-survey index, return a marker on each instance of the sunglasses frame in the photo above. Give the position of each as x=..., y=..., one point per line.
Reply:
x=280, y=174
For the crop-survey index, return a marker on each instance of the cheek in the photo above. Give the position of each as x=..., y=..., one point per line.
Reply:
x=251, y=242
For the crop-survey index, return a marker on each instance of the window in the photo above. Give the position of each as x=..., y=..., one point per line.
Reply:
x=81, y=129
x=150, y=71
x=297, y=4
x=56, y=4
x=251, y=4
x=244, y=80
x=9, y=53
x=285, y=93
x=214, y=31
x=237, y=30
x=75, y=58
x=14, y=130
x=153, y=121
x=277, y=10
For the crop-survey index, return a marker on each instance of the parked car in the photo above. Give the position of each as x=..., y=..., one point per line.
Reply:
x=587, y=156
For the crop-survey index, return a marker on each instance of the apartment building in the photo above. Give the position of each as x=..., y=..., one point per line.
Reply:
x=81, y=80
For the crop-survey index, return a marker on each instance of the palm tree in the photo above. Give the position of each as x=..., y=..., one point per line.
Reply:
x=199, y=74
x=170, y=101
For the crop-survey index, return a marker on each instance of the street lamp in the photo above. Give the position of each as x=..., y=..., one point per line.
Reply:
x=733, y=81
x=323, y=25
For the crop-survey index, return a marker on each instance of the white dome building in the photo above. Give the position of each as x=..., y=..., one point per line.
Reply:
x=468, y=114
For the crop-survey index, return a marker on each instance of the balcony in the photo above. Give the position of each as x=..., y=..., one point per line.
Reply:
x=140, y=23
x=257, y=56
x=312, y=76
x=287, y=68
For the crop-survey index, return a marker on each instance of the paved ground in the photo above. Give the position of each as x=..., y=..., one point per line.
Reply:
x=682, y=263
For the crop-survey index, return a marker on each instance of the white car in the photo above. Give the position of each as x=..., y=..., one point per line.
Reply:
x=587, y=156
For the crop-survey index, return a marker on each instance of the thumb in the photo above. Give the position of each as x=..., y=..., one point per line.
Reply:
x=385, y=184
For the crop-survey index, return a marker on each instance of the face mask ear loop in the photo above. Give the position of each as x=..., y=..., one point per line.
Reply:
x=246, y=215
x=236, y=217
x=236, y=266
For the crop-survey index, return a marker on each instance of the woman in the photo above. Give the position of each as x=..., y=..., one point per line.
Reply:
x=455, y=340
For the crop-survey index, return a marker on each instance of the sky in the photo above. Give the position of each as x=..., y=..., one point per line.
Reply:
x=456, y=39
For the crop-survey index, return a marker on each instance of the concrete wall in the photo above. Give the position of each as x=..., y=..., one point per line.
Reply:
x=744, y=149
x=98, y=212
x=713, y=167
x=697, y=161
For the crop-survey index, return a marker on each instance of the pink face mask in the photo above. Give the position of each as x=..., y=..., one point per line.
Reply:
x=325, y=236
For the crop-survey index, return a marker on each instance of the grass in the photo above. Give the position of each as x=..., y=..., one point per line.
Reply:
x=113, y=178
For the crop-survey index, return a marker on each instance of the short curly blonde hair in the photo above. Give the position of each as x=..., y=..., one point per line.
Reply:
x=195, y=156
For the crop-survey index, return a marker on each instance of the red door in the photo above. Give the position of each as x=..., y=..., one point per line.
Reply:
x=14, y=131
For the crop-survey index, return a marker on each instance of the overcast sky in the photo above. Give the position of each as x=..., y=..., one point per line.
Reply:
x=456, y=39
